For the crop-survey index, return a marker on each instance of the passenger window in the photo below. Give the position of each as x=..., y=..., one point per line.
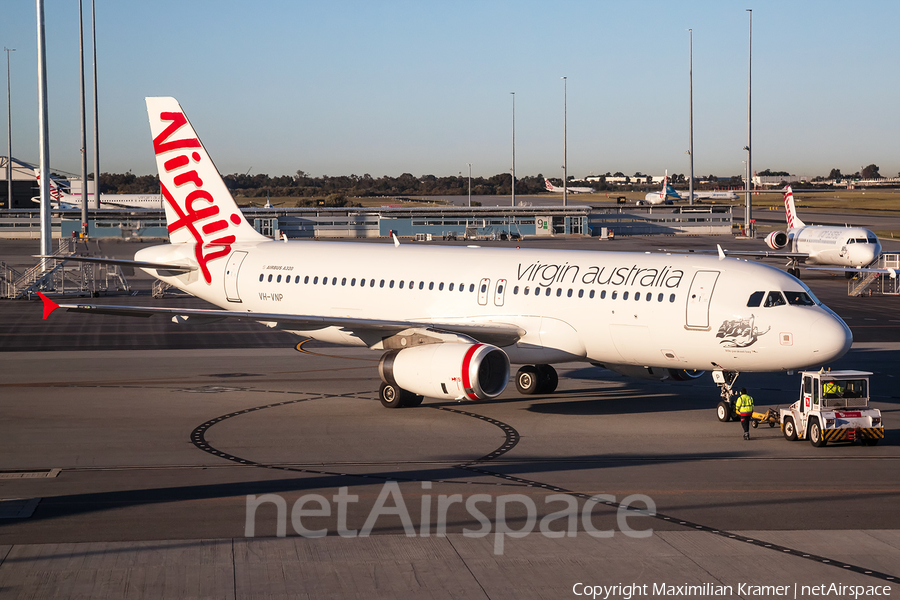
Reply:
x=774, y=299
x=548, y=292
x=602, y=294
x=525, y=291
x=591, y=295
x=450, y=288
x=334, y=281
x=261, y=276
x=372, y=283
x=637, y=295
x=441, y=286
x=297, y=279
x=382, y=283
x=499, y=289
x=391, y=284
x=559, y=292
x=344, y=281
x=581, y=293
x=660, y=298
x=625, y=296
x=649, y=296
x=422, y=285
x=472, y=287
x=516, y=291
x=672, y=298
x=431, y=286
x=412, y=284
x=613, y=296
x=569, y=294
x=401, y=283
x=270, y=278
x=755, y=299
x=306, y=279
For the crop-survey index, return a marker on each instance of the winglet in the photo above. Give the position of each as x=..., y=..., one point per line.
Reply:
x=721, y=252
x=49, y=305
x=396, y=241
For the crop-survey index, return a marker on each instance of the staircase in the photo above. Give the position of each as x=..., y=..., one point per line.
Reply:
x=890, y=285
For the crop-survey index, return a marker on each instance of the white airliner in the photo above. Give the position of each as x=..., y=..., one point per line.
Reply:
x=663, y=196
x=572, y=190
x=59, y=198
x=848, y=249
x=715, y=195
x=451, y=319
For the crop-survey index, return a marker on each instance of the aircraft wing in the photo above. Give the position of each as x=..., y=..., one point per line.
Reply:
x=754, y=253
x=892, y=272
x=498, y=334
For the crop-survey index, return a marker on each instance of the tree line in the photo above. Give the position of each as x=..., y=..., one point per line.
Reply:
x=302, y=185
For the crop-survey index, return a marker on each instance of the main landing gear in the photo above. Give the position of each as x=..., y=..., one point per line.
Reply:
x=536, y=379
x=393, y=396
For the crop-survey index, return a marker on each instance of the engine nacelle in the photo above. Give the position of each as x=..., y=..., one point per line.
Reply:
x=449, y=370
x=777, y=240
x=654, y=373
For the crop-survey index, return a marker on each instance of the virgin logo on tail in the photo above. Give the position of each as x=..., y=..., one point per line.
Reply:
x=788, y=207
x=183, y=172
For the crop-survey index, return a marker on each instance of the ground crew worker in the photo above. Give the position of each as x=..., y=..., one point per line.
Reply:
x=832, y=389
x=744, y=407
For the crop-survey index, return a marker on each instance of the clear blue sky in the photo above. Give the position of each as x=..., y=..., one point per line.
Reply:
x=387, y=87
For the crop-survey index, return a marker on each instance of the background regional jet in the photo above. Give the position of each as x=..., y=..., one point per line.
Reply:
x=449, y=320
x=831, y=248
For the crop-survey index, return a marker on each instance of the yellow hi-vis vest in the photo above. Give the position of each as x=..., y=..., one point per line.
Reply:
x=744, y=404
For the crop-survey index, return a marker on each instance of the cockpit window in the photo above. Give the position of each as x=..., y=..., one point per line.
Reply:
x=774, y=299
x=755, y=299
x=799, y=299
x=851, y=241
x=861, y=240
x=872, y=239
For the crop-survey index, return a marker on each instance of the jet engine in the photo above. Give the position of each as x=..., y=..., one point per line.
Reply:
x=655, y=373
x=448, y=370
x=777, y=240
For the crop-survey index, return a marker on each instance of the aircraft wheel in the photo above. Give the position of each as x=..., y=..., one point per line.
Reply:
x=723, y=411
x=410, y=400
x=391, y=396
x=815, y=434
x=527, y=380
x=790, y=432
x=548, y=379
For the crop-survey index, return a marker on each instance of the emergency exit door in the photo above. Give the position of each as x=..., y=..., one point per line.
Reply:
x=698, y=299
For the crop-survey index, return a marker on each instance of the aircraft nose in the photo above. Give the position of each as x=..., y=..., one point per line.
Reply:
x=831, y=338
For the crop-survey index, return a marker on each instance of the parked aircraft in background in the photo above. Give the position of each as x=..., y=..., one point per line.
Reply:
x=572, y=190
x=830, y=248
x=450, y=320
x=663, y=196
x=59, y=198
x=716, y=195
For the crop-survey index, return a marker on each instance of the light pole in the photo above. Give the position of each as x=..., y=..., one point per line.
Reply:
x=470, y=184
x=8, y=132
x=513, y=201
x=565, y=141
x=43, y=135
x=691, y=120
x=96, y=122
x=748, y=216
x=84, y=183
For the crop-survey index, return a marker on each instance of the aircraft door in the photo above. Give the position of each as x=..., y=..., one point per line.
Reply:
x=698, y=299
x=483, y=288
x=499, y=292
x=231, y=275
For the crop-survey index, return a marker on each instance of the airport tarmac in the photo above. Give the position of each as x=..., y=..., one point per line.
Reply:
x=133, y=451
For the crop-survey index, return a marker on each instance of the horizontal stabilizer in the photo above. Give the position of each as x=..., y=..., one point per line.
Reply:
x=124, y=262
